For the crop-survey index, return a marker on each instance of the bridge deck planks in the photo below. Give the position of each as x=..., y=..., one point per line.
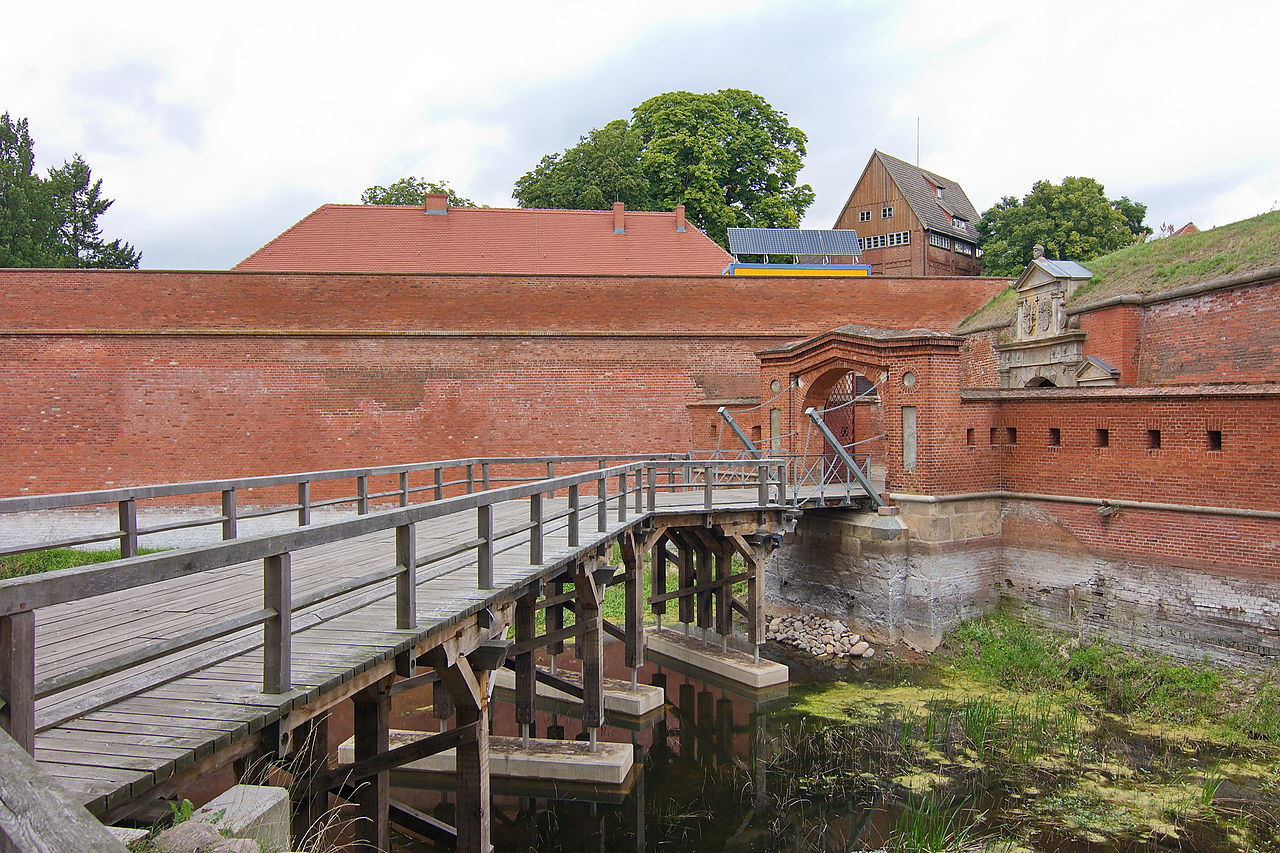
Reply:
x=176, y=710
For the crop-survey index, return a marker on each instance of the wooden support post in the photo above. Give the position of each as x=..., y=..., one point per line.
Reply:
x=310, y=758
x=404, y=488
x=602, y=505
x=724, y=592
x=591, y=642
x=362, y=495
x=633, y=566
x=372, y=738
x=438, y=481
x=526, y=677
x=228, y=513
x=688, y=577
x=536, y=531
x=277, y=588
x=762, y=496
x=555, y=619
x=575, y=516
x=658, y=567
x=406, y=580
x=706, y=598
x=128, y=510
x=18, y=677
x=708, y=483
x=441, y=703
x=755, y=599
x=484, y=551
x=304, y=503
x=470, y=695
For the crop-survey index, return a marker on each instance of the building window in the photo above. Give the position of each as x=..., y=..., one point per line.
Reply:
x=1153, y=439
x=940, y=241
x=886, y=212
x=968, y=437
x=898, y=238
x=960, y=224
x=937, y=191
x=1215, y=439
x=864, y=216
x=1102, y=437
x=1055, y=437
x=994, y=438
x=1012, y=433
x=963, y=248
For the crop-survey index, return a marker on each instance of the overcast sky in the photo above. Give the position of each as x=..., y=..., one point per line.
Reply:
x=217, y=126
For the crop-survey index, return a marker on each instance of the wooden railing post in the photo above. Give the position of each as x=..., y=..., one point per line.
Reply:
x=708, y=477
x=762, y=496
x=653, y=487
x=404, y=488
x=18, y=677
x=304, y=503
x=484, y=476
x=406, y=580
x=128, y=528
x=362, y=495
x=471, y=478
x=575, y=516
x=484, y=551
x=439, y=483
x=602, y=506
x=535, y=532
x=228, y=513
x=277, y=675
x=639, y=491
x=622, y=496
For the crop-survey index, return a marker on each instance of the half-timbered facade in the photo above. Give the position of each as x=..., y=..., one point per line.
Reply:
x=912, y=221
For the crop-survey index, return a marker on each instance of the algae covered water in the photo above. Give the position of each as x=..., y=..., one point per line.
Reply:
x=938, y=756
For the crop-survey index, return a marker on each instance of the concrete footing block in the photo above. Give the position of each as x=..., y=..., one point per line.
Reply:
x=619, y=696
x=258, y=812
x=126, y=835
x=550, y=760
x=731, y=664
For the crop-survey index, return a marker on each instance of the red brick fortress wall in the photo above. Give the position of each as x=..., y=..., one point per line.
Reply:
x=128, y=377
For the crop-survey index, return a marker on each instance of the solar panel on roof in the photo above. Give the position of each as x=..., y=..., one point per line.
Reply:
x=794, y=241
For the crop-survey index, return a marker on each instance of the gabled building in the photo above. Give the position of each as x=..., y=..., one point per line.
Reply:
x=912, y=221
x=436, y=238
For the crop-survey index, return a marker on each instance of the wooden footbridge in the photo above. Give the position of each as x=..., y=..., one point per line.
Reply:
x=126, y=681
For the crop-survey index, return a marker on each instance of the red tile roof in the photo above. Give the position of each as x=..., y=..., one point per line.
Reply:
x=401, y=238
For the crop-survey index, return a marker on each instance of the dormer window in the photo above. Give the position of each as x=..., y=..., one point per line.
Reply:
x=960, y=224
x=937, y=191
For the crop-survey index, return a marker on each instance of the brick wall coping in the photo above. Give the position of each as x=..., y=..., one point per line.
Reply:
x=1253, y=278
x=1238, y=512
x=401, y=333
x=1148, y=392
x=383, y=274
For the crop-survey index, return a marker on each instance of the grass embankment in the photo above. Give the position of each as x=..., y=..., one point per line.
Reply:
x=36, y=562
x=1030, y=737
x=1245, y=246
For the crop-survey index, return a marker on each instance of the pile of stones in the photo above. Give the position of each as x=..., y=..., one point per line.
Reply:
x=820, y=637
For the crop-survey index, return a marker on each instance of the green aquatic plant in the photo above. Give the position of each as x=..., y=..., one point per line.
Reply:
x=935, y=824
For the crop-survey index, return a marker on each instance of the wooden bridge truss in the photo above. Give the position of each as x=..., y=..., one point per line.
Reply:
x=127, y=680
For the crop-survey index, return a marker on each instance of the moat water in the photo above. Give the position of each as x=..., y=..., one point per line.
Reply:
x=916, y=764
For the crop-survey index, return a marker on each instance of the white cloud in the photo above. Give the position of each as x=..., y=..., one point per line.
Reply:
x=214, y=127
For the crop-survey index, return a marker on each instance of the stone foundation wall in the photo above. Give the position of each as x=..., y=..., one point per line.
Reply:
x=912, y=576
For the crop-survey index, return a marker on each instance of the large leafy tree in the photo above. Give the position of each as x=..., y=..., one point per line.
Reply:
x=51, y=222
x=728, y=156
x=410, y=191
x=1073, y=220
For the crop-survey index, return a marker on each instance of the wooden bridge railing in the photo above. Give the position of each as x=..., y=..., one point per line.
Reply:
x=450, y=476
x=637, y=486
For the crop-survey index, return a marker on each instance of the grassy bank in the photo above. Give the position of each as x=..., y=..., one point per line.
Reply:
x=36, y=562
x=1039, y=739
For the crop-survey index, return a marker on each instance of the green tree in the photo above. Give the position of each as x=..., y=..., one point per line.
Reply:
x=728, y=156
x=411, y=191
x=51, y=222
x=27, y=226
x=77, y=203
x=1073, y=220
